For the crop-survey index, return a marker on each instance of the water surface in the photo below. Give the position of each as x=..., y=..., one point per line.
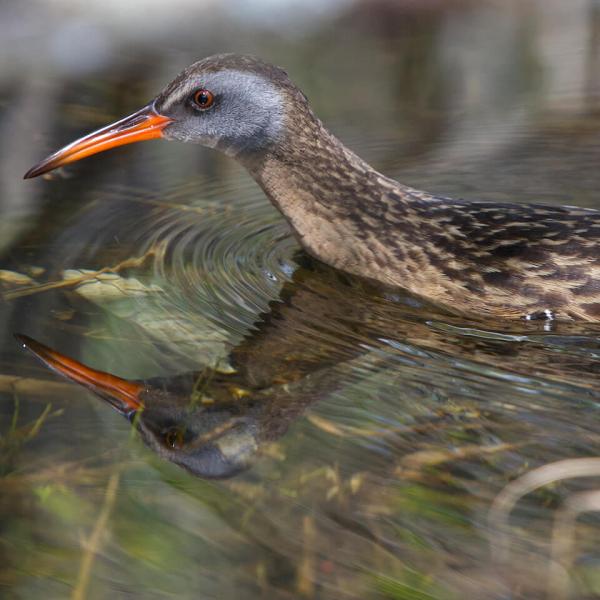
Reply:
x=405, y=424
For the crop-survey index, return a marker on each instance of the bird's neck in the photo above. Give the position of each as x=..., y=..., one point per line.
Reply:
x=335, y=202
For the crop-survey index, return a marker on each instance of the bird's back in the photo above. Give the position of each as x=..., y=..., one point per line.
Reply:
x=522, y=260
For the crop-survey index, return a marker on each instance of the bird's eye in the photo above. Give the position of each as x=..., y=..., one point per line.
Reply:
x=174, y=437
x=203, y=99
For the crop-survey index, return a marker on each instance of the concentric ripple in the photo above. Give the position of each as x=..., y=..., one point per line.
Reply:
x=225, y=259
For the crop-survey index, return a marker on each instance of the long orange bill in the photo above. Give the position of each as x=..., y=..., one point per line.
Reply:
x=145, y=124
x=122, y=394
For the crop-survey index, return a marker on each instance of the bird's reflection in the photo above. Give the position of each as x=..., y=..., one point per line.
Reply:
x=215, y=423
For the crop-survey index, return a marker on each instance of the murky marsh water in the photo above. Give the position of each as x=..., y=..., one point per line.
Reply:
x=392, y=427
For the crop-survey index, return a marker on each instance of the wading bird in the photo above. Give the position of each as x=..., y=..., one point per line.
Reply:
x=493, y=259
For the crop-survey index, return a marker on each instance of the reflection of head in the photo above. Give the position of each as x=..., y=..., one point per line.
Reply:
x=214, y=441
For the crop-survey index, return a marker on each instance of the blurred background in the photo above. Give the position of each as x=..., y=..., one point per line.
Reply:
x=487, y=99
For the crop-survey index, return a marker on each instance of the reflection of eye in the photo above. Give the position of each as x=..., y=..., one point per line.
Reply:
x=203, y=99
x=174, y=437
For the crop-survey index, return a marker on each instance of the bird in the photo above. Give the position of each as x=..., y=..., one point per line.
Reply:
x=490, y=259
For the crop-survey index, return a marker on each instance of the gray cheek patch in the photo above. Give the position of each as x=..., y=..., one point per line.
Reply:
x=248, y=114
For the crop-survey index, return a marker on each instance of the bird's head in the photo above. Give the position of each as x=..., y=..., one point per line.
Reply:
x=237, y=104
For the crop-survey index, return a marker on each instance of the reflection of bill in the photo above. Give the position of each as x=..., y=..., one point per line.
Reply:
x=205, y=423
